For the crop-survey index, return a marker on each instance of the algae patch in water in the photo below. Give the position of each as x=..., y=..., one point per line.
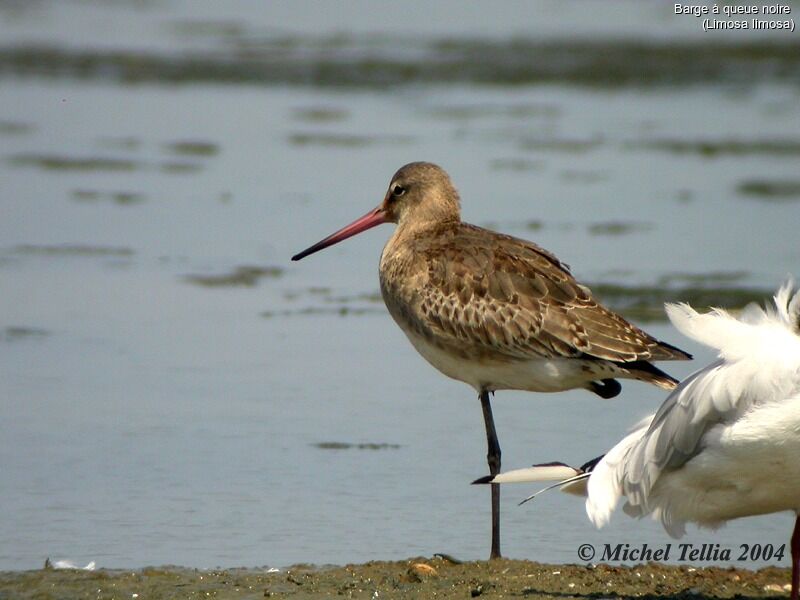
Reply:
x=193, y=148
x=345, y=305
x=370, y=61
x=321, y=114
x=516, y=165
x=355, y=446
x=646, y=302
x=12, y=334
x=15, y=128
x=767, y=190
x=562, y=145
x=344, y=140
x=534, y=225
x=340, y=311
x=476, y=111
x=713, y=278
x=71, y=250
x=244, y=276
x=721, y=147
x=371, y=298
x=619, y=228
x=177, y=168
x=59, y=162
x=531, y=225
x=330, y=139
x=118, y=198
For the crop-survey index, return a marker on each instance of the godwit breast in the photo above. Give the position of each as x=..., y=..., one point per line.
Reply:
x=725, y=444
x=494, y=311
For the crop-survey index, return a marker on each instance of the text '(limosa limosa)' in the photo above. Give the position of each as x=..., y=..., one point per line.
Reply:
x=724, y=444
x=494, y=311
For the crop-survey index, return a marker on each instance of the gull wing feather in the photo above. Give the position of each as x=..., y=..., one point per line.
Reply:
x=757, y=365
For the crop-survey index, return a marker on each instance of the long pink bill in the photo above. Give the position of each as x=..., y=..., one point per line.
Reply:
x=368, y=221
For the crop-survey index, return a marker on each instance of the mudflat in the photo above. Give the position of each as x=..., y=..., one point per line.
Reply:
x=440, y=577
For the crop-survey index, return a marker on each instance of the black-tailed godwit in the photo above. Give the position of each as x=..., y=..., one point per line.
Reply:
x=495, y=311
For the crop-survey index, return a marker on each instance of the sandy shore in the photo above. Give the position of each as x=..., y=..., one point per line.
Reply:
x=413, y=578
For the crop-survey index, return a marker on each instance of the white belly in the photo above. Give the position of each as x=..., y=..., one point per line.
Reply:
x=538, y=375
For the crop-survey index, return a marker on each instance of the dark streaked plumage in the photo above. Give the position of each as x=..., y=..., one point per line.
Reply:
x=484, y=295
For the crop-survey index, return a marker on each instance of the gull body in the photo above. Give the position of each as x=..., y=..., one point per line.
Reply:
x=494, y=311
x=726, y=442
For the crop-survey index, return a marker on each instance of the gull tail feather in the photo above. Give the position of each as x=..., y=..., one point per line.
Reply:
x=570, y=486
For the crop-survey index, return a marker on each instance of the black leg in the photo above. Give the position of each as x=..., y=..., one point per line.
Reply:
x=796, y=559
x=493, y=458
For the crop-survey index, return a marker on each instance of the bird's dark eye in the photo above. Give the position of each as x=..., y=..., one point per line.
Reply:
x=398, y=190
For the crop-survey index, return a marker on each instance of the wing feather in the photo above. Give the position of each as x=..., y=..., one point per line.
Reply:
x=758, y=354
x=492, y=293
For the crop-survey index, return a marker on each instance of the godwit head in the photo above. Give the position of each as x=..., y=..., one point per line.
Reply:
x=419, y=193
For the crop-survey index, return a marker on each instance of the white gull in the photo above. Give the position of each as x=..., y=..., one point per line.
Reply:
x=724, y=444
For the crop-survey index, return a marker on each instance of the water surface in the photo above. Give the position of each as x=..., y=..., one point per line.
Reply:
x=175, y=391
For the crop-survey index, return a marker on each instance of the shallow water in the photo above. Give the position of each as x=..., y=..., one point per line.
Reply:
x=175, y=391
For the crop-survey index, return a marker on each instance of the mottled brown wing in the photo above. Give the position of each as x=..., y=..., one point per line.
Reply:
x=490, y=293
